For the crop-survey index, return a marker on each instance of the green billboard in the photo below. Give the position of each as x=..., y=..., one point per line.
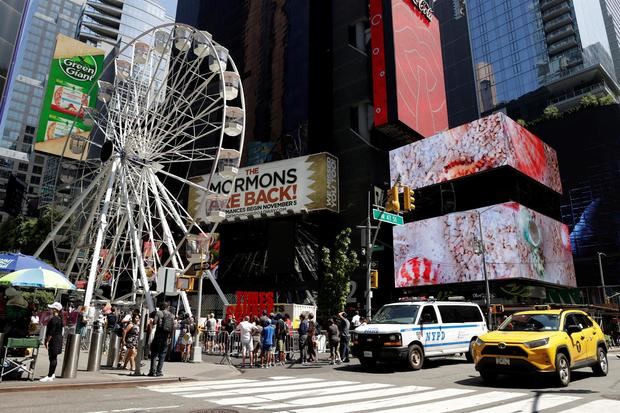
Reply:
x=71, y=87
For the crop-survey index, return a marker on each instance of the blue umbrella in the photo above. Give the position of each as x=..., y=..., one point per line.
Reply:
x=10, y=262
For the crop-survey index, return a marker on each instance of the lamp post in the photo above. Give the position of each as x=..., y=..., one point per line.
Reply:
x=600, y=268
x=480, y=249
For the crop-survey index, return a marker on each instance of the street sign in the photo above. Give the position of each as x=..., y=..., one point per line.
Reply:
x=387, y=217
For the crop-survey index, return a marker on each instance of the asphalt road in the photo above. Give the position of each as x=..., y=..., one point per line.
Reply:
x=446, y=385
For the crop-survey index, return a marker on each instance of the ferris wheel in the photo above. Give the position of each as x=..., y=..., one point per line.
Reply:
x=170, y=106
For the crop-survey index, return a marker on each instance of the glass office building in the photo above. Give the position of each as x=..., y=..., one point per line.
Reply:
x=529, y=54
x=44, y=20
x=611, y=14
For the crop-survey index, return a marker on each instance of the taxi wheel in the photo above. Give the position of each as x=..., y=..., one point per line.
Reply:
x=562, y=369
x=415, y=357
x=470, y=354
x=601, y=367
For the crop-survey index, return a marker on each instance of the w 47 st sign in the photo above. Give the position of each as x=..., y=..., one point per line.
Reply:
x=393, y=219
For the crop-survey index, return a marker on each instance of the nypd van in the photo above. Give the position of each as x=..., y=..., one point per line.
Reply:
x=414, y=331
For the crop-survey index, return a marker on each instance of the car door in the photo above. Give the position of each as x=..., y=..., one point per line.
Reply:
x=576, y=342
x=590, y=336
x=431, y=330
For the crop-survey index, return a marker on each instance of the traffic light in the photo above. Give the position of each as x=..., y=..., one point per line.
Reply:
x=392, y=204
x=409, y=200
x=497, y=309
x=374, y=279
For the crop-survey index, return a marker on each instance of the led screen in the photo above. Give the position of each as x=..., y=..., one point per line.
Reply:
x=421, y=94
x=478, y=146
x=517, y=243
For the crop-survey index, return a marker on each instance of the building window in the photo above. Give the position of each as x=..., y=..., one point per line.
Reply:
x=359, y=36
x=37, y=170
x=30, y=130
x=35, y=180
x=28, y=139
x=39, y=160
x=22, y=167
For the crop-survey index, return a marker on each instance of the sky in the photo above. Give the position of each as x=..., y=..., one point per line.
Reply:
x=171, y=7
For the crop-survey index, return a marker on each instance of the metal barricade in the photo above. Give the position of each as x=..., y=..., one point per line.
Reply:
x=292, y=345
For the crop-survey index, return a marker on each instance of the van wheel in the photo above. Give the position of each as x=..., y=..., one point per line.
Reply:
x=367, y=363
x=601, y=367
x=562, y=369
x=415, y=357
x=470, y=354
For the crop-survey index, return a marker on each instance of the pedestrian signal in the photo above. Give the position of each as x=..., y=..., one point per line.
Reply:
x=497, y=308
x=392, y=204
x=374, y=279
x=409, y=200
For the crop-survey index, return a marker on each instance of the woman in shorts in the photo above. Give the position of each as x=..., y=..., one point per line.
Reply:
x=333, y=334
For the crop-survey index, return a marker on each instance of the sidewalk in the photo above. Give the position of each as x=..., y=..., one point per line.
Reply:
x=111, y=377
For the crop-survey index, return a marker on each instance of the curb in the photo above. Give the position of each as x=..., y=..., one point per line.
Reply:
x=76, y=386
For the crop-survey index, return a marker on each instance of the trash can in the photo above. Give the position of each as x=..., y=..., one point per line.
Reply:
x=114, y=347
x=95, y=350
x=72, y=356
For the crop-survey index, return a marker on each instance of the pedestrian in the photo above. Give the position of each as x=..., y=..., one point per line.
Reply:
x=303, y=339
x=267, y=350
x=210, y=325
x=257, y=333
x=355, y=320
x=186, y=344
x=333, y=334
x=363, y=322
x=131, y=336
x=53, y=340
x=120, y=330
x=344, y=337
x=281, y=335
x=312, y=338
x=245, y=329
x=163, y=321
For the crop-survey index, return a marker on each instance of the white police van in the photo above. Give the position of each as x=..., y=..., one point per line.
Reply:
x=413, y=331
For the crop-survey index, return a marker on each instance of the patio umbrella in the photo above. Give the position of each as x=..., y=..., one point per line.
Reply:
x=37, y=278
x=10, y=262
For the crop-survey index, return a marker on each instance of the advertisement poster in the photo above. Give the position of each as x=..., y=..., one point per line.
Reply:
x=291, y=186
x=74, y=71
x=478, y=146
x=518, y=243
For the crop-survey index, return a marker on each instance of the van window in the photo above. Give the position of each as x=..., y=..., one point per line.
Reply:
x=459, y=314
x=429, y=315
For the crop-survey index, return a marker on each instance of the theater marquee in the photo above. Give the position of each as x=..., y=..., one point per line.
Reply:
x=291, y=186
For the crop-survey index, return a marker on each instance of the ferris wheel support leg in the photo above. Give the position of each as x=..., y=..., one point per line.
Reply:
x=69, y=213
x=103, y=222
x=164, y=223
x=137, y=249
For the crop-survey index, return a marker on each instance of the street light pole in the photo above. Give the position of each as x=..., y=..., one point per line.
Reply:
x=484, y=270
x=600, y=268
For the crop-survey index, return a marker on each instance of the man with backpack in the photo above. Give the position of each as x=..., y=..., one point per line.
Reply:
x=163, y=321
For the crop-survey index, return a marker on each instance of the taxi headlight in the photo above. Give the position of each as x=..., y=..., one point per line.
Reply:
x=537, y=343
x=478, y=342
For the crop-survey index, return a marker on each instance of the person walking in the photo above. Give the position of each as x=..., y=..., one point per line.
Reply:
x=163, y=321
x=303, y=339
x=210, y=325
x=312, y=338
x=257, y=332
x=333, y=334
x=53, y=340
x=344, y=337
x=267, y=350
x=131, y=335
x=245, y=329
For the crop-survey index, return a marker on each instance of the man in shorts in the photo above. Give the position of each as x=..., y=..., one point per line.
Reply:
x=268, y=337
x=210, y=325
x=245, y=331
x=281, y=335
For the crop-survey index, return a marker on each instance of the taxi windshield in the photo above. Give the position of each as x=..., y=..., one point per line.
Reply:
x=396, y=314
x=531, y=322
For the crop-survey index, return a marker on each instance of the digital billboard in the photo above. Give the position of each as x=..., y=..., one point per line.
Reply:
x=291, y=186
x=71, y=87
x=481, y=145
x=517, y=242
x=407, y=67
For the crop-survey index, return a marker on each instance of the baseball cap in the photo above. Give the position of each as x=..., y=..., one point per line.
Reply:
x=55, y=306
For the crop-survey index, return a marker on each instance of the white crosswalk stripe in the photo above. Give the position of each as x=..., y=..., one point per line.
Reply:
x=285, y=394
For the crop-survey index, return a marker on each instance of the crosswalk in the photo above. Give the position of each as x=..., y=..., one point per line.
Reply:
x=285, y=394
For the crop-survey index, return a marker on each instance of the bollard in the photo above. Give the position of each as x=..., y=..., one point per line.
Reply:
x=72, y=356
x=113, y=349
x=94, y=352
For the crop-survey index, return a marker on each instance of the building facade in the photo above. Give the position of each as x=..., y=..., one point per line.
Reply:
x=23, y=103
x=611, y=14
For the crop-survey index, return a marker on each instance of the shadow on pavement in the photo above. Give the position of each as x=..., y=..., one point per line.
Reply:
x=528, y=381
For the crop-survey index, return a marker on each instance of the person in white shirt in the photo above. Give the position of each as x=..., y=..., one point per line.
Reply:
x=245, y=329
x=355, y=321
x=210, y=327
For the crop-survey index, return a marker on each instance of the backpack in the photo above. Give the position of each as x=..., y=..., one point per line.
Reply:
x=166, y=322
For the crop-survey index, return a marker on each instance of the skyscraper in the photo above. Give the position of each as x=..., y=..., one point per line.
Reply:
x=23, y=102
x=530, y=54
x=611, y=14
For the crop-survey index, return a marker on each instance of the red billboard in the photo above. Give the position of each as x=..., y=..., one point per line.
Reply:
x=407, y=67
x=517, y=242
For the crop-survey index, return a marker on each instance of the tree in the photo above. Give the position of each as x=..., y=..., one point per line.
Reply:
x=588, y=101
x=606, y=100
x=338, y=265
x=551, y=112
x=25, y=234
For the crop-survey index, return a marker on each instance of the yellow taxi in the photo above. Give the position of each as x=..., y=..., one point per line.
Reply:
x=546, y=341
